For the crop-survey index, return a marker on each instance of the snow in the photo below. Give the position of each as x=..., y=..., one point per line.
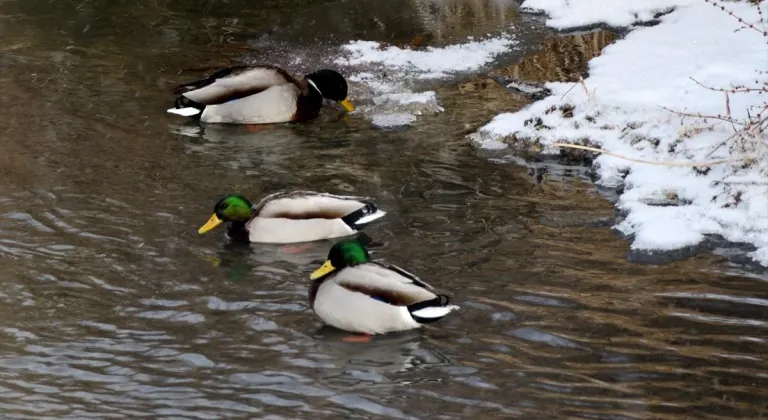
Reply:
x=524, y=88
x=430, y=62
x=394, y=119
x=390, y=74
x=406, y=98
x=619, y=108
x=565, y=14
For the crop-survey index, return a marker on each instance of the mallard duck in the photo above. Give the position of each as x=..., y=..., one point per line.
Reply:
x=260, y=94
x=289, y=217
x=353, y=293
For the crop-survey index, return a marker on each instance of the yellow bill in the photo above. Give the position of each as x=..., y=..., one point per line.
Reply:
x=210, y=224
x=347, y=104
x=322, y=271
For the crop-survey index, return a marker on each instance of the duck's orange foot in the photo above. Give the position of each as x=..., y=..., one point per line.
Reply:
x=357, y=338
x=295, y=249
x=258, y=127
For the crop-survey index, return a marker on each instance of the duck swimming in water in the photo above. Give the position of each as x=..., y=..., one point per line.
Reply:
x=355, y=294
x=260, y=94
x=290, y=217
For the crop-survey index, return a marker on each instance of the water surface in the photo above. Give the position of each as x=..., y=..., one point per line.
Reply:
x=111, y=306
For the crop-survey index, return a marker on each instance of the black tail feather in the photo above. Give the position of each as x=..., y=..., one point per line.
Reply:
x=197, y=84
x=184, y=102
x=352, y=218
x=440, y=300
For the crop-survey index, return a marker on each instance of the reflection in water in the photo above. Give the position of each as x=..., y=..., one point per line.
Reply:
x=561, y=58
x=112, y=306
x=453, y=20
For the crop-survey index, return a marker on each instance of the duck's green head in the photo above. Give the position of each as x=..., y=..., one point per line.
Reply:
x=331, y=85
x=346, y=253
x=231, y=208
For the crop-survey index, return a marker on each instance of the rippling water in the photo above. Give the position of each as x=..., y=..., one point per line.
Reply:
x=111, y=306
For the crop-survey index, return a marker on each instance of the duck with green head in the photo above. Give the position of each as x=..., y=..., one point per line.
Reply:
x=289, y=217
x=354, y=293
x=260, y=94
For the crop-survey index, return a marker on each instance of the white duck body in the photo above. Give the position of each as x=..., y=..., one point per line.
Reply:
x=260, y=94
x=304, y=216
x=276, y=104
x=348, y=300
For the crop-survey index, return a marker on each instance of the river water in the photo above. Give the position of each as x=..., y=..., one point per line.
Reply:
x=111, y=306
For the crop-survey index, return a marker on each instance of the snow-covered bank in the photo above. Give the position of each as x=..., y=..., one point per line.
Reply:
x=389, y=74
x=564, y=14
x=619, y=108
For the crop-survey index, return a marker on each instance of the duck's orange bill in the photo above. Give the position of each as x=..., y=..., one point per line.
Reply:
x=347, y=104
x=210, y=224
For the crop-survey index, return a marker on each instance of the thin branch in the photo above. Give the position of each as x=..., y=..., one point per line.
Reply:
x=728, y=111
x=742, y=21
x=650, y=162
x=584, y=85
x=568, y=91
x=702, y=116
x=733, y=89
x=724, y=142
x=754, y=127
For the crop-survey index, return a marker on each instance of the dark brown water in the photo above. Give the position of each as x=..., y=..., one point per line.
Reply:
x=111, y=306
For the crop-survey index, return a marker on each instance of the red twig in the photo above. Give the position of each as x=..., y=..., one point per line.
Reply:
x=742, y=21
x=734, y=89
x=702, y=116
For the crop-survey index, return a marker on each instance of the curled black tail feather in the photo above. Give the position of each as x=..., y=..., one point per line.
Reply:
x=440, y=300
x=184, y=102
x=352, y=218
x=197, y=84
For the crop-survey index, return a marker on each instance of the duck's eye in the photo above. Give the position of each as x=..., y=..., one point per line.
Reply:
x=223, y=206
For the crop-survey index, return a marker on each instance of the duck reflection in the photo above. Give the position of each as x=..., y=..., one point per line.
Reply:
x=384, y=354
x=238, y=259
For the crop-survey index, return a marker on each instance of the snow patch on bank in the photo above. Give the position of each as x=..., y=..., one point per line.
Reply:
x=431, y=62
x=666, y=207
x=564, y=14
x=391, y=75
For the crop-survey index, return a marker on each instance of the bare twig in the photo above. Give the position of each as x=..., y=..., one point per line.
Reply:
x=742, y=21
x=728, y=111
x=568, y=91
x=584, y=85
x=650, y=162
x=740, y=89
x=702, y=116
x=762, y=18
x=724, y=142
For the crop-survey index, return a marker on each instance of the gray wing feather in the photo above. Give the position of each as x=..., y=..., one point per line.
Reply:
x=298, y=194
x=237, y=84
x=407, y=274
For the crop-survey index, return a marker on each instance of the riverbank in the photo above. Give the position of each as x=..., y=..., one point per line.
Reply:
x=683, y=179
